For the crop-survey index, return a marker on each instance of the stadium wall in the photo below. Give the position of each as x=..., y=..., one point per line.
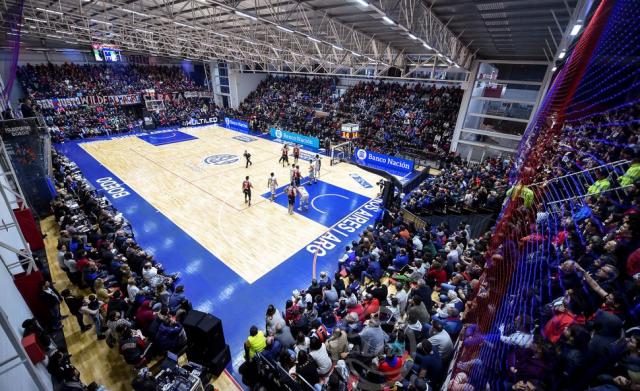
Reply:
x=12, y=305
x=242, y=84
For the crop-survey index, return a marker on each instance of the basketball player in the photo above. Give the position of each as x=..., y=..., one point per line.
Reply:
x=247, y=157
x=291, y=196
x=246, y=189
x=297, y=176
x=296, y=153
x=285, y=155
x=317, y=163
x=304, y=198
x=272, y=184
x=312, y=174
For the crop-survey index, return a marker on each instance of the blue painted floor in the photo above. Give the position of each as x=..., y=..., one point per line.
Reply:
x=328, y=204
x=169, y=137
x=209, y=283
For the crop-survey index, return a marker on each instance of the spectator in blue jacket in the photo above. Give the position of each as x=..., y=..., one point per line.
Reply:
x=176, y=298
x=374, y=271
x=401, y=260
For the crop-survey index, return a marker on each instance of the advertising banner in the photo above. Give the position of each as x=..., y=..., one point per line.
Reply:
x=384, y=162
x=236, y=124
x=200, y=121
x=91, y=100
x=295, y=138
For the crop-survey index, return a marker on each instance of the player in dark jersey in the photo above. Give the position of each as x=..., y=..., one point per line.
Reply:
x=291, y=196
x=297, y=176
x=246, y=189
x=285, y=155
x=296, y=154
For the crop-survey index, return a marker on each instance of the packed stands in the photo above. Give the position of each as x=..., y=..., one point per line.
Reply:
x=290, y=102
x=393, y=117
x=82, y=101
x=397, y=117
x=546, y=301
x=461, y=185
x=70, y=80
x=133, y=305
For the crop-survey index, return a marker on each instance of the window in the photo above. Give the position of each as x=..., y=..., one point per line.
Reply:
x=523, y=72
x=500, y=108
x=490, y=140
x=510, y=91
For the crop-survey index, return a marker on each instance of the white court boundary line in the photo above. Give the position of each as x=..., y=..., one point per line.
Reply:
x=324, y=195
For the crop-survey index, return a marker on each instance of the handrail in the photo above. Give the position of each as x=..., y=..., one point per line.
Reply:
x=583, y=196
x=611, y=165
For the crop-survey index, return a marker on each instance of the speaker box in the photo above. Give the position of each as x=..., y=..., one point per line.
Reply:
x=220, y=361
x=387, y=194
x=205, y=336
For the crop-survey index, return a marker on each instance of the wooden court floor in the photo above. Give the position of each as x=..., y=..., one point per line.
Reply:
x=206, y=201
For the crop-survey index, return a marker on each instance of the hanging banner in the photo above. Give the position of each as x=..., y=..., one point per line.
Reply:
x=384, y=162
x=236, y=124
x=200, y=121
x=91, y=100
x=198, y=94
x=295, y=138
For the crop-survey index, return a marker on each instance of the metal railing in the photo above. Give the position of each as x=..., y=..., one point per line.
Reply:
x=576, y=184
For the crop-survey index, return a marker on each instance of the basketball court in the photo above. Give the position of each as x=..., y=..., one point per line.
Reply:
x=194, y=177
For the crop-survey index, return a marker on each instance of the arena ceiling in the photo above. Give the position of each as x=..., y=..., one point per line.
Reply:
x=309, y=35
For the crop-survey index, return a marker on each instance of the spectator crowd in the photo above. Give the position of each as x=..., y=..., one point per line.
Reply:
x=461, y=186
x=393, y=117
x=402, y=295
x=120, y=291
x=70, y=121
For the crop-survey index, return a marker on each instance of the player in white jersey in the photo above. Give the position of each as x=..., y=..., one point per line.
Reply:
x=317, y=163
x=272, y=184
x=304, y=198
x=312, y=174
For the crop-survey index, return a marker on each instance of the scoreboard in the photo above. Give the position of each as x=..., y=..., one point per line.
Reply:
x=350, y=131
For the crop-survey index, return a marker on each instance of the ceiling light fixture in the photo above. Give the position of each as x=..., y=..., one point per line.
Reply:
x=50, y=11
x=427, y=46
x=362, y=3
x=134, y=12
x=576, y=29
x=412, y=36
x=554, y=69
x=337, y=47
x=245, y=15
x=284, y=29
x=101, y=22
x=35, y=19
x=562, y=54
x=312, y=39
x=220, y=35
x=356, y=54
x=387, y=20
x=54, y=36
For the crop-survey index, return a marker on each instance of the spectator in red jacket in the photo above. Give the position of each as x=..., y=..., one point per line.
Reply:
x=437, y=273
x=145, y=315
x=391, y=366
